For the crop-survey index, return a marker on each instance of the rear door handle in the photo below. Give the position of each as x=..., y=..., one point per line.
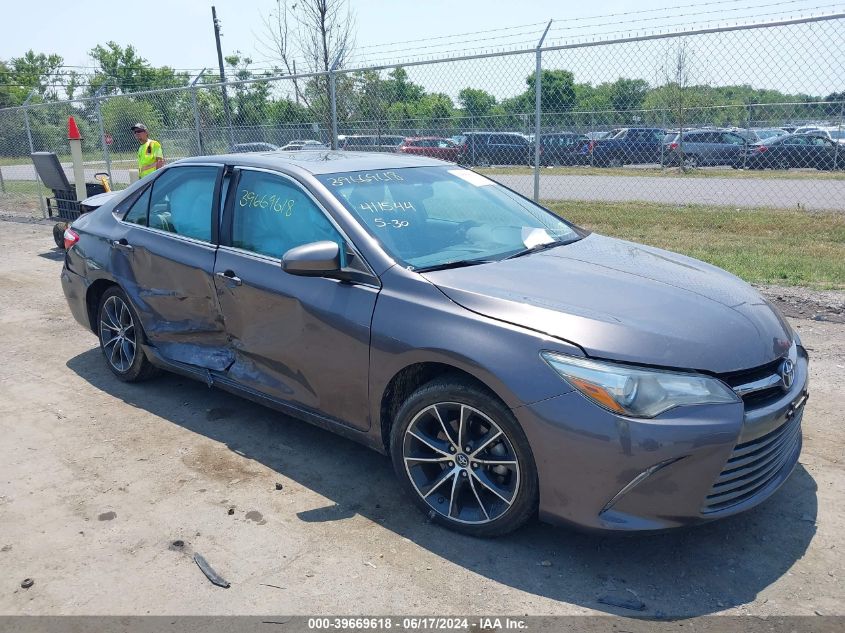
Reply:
x=229, y=275
x=122, y=243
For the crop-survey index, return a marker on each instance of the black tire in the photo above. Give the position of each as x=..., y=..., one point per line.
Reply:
x=115, y=311
x=519, y=481
x=59, y=234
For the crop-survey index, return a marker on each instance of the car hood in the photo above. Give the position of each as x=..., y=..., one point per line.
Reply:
x=624, y=301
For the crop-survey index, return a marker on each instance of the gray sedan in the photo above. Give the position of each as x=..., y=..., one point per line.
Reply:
x=506, y=360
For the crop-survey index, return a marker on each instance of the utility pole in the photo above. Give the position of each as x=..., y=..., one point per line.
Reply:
x=226, y=110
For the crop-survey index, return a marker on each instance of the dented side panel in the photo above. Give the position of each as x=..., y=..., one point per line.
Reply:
x=304, y=340
x=170, y=282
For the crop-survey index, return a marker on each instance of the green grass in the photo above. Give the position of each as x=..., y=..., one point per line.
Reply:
x=23, y=188
x=670, y=172
x=760, y=245
x=87, y=157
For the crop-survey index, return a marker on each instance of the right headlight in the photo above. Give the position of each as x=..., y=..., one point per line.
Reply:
x=638, y=391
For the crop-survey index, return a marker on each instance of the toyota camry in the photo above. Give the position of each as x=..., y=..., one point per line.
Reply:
x=507, y=361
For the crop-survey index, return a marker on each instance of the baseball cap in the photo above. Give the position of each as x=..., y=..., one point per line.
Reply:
x=139, y=127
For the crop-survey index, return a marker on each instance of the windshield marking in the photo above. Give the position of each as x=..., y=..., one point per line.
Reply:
x=366, y=177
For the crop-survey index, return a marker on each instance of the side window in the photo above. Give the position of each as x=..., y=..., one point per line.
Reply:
x=139, y=209
x=271, y=215
x=182, y=200
x=795, y=140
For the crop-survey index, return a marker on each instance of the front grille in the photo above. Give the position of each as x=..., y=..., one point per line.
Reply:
x=754, y=464
x=738, y=380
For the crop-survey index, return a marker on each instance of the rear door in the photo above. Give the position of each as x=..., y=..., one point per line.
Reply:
x=733, y=145
x=794, y=152
x=303, y=340
x=821, y=151
x=164, y=260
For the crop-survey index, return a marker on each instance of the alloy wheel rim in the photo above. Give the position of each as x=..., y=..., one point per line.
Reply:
x=461, y=463
x=117, y=334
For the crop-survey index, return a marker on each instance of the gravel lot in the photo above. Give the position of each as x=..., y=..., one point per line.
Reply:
x=98, y=478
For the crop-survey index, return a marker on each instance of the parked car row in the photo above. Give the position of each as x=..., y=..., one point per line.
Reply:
x=247, y=148
x=753, y=148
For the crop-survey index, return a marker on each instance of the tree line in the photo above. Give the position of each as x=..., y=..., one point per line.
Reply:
x=368, y=101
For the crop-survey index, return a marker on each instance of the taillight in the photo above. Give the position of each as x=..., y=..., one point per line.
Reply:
x=591, y=146
x=71, y=238
x=762, y=149
x=673, y=146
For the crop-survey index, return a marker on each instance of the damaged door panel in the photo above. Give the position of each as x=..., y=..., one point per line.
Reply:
x=165, y=262
x=304, y=340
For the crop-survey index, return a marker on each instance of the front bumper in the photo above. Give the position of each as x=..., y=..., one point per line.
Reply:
x=602, y=471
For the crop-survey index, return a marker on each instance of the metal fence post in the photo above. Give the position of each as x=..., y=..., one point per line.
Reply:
x=747, y=129
x=333, y=99
x=97, y=96
x=41, y=201
x=196, y=111
x=838, y=141
x=538, y=97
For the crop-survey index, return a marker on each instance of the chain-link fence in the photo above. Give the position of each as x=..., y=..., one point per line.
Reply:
x=742, y=116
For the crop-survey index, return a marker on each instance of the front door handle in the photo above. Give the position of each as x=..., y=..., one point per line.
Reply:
x=229, y=275
x=122, y=243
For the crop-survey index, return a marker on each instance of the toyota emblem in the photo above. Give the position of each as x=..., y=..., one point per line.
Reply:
x=787, y=374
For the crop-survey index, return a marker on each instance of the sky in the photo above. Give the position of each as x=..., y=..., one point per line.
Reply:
x=179, y=33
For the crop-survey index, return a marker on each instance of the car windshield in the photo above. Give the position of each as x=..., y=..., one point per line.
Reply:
x=836, y=134
x=429, y=217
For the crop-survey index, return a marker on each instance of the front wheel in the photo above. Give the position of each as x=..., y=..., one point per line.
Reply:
x=464, y=459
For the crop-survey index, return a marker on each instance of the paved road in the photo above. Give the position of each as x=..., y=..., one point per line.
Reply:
x=740, y=192
x=809, y=193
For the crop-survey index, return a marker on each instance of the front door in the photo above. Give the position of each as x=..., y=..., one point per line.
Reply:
x=303, y=340
x=164, y=261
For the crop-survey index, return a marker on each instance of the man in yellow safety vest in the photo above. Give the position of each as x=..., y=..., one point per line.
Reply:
x=150, y=156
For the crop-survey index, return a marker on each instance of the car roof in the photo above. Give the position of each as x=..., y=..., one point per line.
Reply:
x=319, y=161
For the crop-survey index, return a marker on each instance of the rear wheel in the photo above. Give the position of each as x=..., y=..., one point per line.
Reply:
x=464, y=459
x=691, y=162
x=615, y=162
x=120, y=337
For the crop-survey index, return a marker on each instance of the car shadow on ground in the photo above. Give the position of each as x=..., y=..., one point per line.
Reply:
x=55, y=254
x=678, y=574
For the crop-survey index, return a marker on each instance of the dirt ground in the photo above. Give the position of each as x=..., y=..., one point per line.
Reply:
x=98, y=478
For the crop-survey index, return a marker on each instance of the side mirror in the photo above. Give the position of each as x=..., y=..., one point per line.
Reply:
x=317, y=259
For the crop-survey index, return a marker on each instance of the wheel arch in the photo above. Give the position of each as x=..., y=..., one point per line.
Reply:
x=92, y=299
x=412, y=377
